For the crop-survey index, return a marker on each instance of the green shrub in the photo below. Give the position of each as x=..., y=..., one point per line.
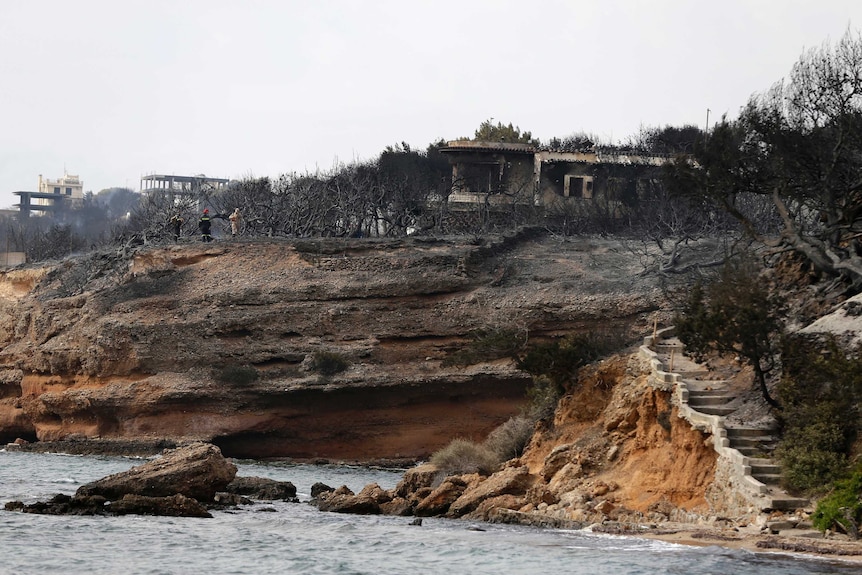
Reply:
x=509, y=439
x=237, y=375
x=804, y=469
x=328, y=363
x=465, y=456
x=842, y=508
x=543, y=396
x=560, y=360
x=735, y=314
x=488, y=345
x=820, y=392
x=812, y=456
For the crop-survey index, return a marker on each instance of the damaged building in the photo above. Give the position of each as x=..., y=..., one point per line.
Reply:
x=501, y=176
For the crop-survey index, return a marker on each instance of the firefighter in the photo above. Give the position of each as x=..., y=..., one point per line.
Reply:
x=177, y=226
x=205, y=225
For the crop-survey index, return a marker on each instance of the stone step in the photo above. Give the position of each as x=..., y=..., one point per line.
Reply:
x=753, y=452
x=688, y=374
x=767, y=479
x=707, y=392
x=705, y=385
x=703, y=400
x=714, y=409
x=787, y=503
x=748, y=431
x=764, y=468
x=765, y=441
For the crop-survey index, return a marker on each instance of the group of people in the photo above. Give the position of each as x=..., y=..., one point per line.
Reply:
x=205, y=224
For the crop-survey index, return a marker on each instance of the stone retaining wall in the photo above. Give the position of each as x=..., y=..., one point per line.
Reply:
x=734, y=465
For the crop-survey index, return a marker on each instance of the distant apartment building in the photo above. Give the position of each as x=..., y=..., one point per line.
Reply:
x=51, y=195
x=69, y=186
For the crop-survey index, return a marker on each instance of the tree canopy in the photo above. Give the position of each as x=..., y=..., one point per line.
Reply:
x=734, y=315
x=490, y=132
x=790, y=168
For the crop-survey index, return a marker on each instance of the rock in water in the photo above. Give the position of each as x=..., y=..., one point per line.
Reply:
x=173, y=506
x=198, y=470
x=263, y=488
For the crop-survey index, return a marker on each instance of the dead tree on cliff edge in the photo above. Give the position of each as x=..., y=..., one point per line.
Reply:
x=799, y=148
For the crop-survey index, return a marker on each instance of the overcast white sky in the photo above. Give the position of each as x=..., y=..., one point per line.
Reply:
x=111, y=90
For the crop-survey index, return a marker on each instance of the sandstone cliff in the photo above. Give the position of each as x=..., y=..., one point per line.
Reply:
x=615, y=449
x=145, y=346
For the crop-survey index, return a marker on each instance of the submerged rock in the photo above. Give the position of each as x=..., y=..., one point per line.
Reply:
x=174, y=506
x=262, y=488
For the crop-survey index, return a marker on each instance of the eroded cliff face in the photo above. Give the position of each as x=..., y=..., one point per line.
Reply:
x=146, y=346
x=615, y=451
x=617, y=447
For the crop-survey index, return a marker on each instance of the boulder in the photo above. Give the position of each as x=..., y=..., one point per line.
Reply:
x=540, y=493
x=62, y=504
x=604, y=507
x=319, y=488
x=488, y=507
x=262, y=488
x=566, y=479
x=509, y=481
x=398, y=506
x=557, y=459
x=198, y=471
x=415, y=479
x=438, y=501
x=224, y=499
x=342, y=500
x=375, y=493
x=177, y=505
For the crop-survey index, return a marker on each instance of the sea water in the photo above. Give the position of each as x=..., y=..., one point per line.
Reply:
x=282, y=537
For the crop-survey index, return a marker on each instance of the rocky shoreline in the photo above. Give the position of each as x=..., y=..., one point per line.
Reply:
x=233, y=370
x=192, y=480
x=774, y=533
x=796, y=542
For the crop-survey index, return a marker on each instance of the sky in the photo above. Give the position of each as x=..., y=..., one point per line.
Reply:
x=113, y=90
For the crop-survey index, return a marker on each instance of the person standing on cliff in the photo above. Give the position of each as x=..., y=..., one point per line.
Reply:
x=177, y=226
x=234, y=222
x=205, y=225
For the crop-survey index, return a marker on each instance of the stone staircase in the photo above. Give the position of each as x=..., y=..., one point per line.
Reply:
x=705, y=403
x=710, y=397
x=757, y=444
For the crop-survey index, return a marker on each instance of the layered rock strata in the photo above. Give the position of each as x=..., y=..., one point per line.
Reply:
x=228, y=343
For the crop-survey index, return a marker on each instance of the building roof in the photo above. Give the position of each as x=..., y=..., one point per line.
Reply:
x=183, y=178
x=40, y=195
x=588, y=155
x=474, y=146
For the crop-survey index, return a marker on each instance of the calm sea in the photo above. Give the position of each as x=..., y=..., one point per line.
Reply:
x=296, y=538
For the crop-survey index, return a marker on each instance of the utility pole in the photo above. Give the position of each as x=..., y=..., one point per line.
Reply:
x=706, y=131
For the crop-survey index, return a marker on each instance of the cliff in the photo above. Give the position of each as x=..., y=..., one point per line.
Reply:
x=615, y=450
x=218, y=342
